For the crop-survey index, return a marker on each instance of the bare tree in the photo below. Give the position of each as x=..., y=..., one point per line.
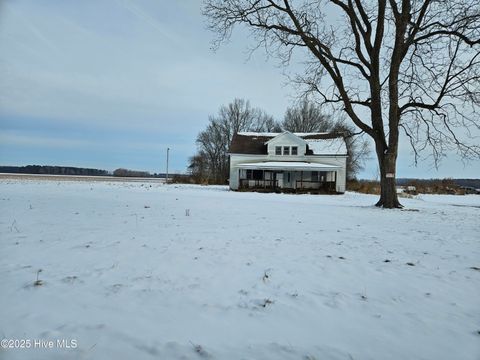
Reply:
x=410, y=66
x=213, y=142
x=213, y=145
x=308, y=117
x=198, y=167
x=357, y=147
x=265, y=123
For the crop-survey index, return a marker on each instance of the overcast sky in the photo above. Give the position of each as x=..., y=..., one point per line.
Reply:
x=113, y=83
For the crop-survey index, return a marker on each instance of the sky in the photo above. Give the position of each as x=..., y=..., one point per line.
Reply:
x=113, y=83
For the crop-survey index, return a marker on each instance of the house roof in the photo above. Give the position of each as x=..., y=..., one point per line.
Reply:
x=286, y=136
x=253, y=143
x=290, y=165
x=334, y=146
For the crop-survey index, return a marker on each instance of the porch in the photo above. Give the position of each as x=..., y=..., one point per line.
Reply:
x=288, y=177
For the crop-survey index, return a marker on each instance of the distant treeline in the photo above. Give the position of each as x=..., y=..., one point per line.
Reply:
x=474, y=183
x=70, y=170
x=52, y=170
x=131, y=173
x=420, y=186
x=145, y=174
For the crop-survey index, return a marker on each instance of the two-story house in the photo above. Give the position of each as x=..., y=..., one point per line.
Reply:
x=288, y=161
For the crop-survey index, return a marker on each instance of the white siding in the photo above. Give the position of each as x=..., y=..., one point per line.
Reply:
x=236, y=159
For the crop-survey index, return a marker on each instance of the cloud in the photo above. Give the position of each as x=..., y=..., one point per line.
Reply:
x=7, y=139
x=120, y=77
x=142, y=15
x=96, y=75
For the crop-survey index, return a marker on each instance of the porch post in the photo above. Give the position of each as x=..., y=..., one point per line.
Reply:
x=335, y=182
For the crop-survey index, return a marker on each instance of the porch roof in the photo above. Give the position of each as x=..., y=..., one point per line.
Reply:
x=288, y=165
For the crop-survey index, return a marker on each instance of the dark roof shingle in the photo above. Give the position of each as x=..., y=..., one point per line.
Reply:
x=255, y=144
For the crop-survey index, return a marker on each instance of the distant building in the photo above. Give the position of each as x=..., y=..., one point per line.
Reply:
x=288, y=161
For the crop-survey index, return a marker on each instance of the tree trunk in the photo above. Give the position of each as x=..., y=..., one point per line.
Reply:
x=388, y=194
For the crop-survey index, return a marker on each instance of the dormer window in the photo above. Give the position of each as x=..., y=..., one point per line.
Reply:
x=286, y=145
x=286, y=150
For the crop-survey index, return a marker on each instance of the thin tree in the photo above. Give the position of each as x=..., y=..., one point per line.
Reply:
x=410, y=66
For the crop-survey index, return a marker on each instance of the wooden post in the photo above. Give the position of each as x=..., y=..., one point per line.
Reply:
x=335, y=182
x=166, y=176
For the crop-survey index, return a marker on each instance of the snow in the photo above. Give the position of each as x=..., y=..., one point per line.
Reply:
x=273, y=134
x=262, y=134
x=334, y=146
x=129, y=275
x=292, y=165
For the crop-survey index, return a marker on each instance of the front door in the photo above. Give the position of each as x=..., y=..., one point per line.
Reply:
x=279, y=179
x=288, y=179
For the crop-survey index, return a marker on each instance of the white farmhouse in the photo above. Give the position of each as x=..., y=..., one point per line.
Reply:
x=288, y=162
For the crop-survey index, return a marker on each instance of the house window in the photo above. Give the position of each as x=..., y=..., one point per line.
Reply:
x=254, y=174
x=278, y=150
x=286, y=150
x=318, y=176
x=294, y=150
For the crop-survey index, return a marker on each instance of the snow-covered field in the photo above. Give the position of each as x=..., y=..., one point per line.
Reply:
x=149, y=271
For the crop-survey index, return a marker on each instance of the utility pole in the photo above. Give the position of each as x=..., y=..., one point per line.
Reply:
x=166, y=177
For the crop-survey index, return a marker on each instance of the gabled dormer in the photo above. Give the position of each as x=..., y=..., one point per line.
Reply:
x=286, y=144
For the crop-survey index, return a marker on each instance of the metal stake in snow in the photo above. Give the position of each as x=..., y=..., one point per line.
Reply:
x=166, y=176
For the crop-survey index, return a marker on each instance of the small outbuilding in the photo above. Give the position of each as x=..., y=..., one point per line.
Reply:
x=297, y=162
